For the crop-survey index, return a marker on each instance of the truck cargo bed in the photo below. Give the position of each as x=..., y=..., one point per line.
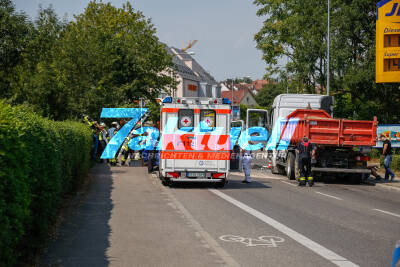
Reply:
x=322, y=129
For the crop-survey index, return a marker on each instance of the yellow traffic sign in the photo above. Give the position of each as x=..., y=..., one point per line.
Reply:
x=388, y=42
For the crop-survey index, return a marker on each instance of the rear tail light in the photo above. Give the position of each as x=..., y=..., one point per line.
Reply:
x=218, y=175
x=362, y=158
x=173, y=174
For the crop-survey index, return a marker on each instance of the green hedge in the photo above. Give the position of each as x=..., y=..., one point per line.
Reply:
x=395, y=163
x=40, y=161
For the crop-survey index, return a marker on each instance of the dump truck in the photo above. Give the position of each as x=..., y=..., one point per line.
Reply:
x=342, y=145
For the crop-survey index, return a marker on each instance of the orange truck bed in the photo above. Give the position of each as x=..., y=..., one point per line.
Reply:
x=322, y=129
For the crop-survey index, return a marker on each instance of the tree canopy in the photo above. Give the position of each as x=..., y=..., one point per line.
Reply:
x=105, y=57
x=295, y=32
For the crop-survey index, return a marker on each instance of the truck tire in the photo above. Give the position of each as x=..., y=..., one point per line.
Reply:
x=291, y=166
x=355, y=178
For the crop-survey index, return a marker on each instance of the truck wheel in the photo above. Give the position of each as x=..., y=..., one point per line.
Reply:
x=356, y=178
x=290, y=167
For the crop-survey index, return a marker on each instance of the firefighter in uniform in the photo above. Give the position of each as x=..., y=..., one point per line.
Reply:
x=306, y=151
x=125, y=150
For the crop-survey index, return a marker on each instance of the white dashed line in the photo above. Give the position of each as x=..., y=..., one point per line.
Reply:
x=289, y=183
x=303, y=240
x=338, y=198
x=387, y=212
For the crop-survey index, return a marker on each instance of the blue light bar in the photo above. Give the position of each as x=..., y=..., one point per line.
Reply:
x=168, y=99
x=226, y=101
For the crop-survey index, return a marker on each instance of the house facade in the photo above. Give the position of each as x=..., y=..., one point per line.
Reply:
x=193, y=80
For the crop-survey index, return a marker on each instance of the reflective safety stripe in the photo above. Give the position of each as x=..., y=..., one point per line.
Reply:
x=302, y=178
x=310, y=178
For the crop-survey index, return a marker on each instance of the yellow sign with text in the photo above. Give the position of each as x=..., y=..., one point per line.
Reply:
x=388, y=42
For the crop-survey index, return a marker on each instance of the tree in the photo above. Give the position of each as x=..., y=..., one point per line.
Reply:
x=265, y=98
x=297, y=31
x=14, y=33
x=107, y=57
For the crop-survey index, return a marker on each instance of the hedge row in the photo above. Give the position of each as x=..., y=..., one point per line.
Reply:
x=40, y=161
x=395, y=165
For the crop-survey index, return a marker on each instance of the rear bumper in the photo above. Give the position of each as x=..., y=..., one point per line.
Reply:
x=196, y=180
x=340, y=170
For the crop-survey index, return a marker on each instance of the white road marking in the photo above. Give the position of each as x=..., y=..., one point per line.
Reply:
x=338, y=198
x=289, y=183
x=303, y=240
x=268, y=241
x=387, y=212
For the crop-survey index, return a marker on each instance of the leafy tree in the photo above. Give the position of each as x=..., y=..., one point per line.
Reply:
x=238, y=80
x=106, y=57
x=266, y=96
x=297, y=31
x=14, y=35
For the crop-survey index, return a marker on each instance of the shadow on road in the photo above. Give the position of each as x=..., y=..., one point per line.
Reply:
x=233, y=184
x=83, y=236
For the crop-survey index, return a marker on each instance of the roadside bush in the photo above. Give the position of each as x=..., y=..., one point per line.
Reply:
x=396, y=162
x=375, y=153
x=40, y=161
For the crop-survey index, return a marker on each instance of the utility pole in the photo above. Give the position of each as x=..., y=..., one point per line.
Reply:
x=328, y=52
x=232, y=92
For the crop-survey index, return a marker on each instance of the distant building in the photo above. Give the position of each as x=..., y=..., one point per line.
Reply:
x=223, y=87
x=242, y=95
x=257, y=85
x=193, y=80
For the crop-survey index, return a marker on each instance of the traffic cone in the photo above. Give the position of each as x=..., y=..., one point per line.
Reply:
x=269, y=164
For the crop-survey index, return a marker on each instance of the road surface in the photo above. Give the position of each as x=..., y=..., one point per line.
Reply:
x=127, y=218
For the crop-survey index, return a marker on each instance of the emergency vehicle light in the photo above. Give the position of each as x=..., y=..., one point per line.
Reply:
x=226, y=101
x=168, y=99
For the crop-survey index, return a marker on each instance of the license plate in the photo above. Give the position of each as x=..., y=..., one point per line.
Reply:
x=196, y=174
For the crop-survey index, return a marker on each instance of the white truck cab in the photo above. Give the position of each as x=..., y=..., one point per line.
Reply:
x=285, y=104
x=195, y=143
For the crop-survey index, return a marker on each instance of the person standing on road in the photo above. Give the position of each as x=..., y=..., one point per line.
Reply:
x=306, y=151
x=113, y=130
x=246, y=163
x=387, y=155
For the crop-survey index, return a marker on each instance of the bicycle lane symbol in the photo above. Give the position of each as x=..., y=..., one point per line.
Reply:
x=268, y=241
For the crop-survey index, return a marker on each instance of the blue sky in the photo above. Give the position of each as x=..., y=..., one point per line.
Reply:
x=224, y=29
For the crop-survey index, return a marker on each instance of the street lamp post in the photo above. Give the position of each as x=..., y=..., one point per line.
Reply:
x=328, y=46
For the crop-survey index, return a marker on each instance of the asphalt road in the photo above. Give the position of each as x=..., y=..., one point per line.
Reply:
x=128, y=218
